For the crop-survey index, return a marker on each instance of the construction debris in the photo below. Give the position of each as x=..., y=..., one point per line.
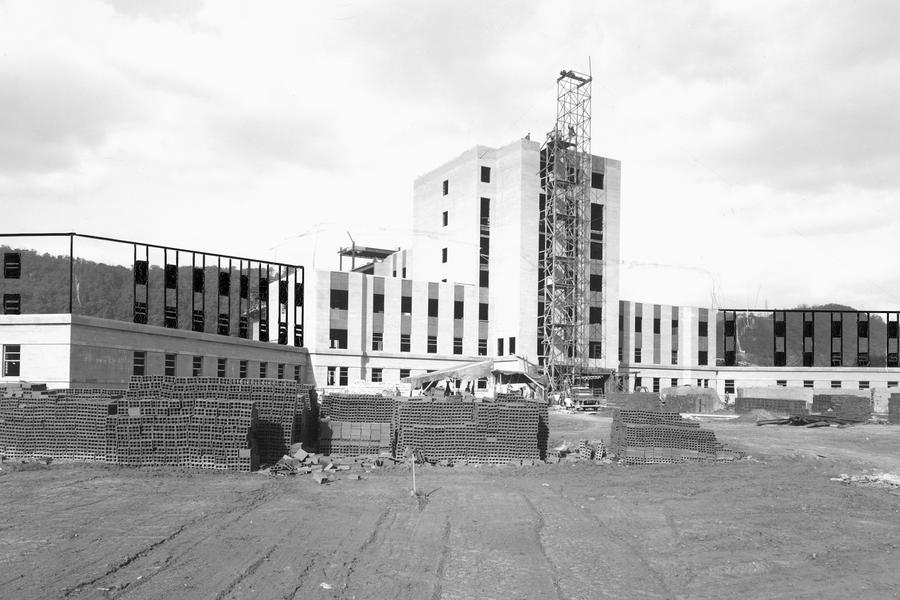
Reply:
x=876, y=479
x=810, y=421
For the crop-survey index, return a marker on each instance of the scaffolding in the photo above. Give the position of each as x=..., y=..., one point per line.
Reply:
x=566, y=180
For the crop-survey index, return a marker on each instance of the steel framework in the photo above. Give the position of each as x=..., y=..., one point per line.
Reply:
x=566, y=179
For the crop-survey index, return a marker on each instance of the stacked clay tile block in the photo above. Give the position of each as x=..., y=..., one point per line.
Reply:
x=775, y=405
x=479, y=432
x=57, y=424
x=645, y=437
x=894, y=409
x=843, y=406
x=356, y=424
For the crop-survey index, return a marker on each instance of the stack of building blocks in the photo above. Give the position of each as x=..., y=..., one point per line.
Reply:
x=645, y=437
x=843, y=406
x=894, y=409
x=356, y=424
x=775, y=405
x=633, y=401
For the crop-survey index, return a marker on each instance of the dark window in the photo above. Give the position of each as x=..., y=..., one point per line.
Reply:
x=892, y=384
x=404, y=373
x=432, y=344
x=482, y=311
x=139, y=364
x=482, y=347
x=339, y=299
x=485, y=174
x=406, y=305
x=595, y=350
x=170, y=365
x=342, y=376
x=835, y=384
x=12, y=304
x=674, y=326
x=242, y=369
x=446, y=186
x=702, y=357
x=499, y=346
x=377, y=341
x=781, y=383
x=596, y=251
x=512, y=345
x=330, y=378
x=484, y=250
x=221, y=367
x=12, y=265
x=376, y=375
x=674, y=382
x=729, y=386
x=483, y=279
x=656, y=385
x=597, y=180
x=656, y=324
x=702, y=328
x=458, y=309
x=404, y=342
x=674, y=357
x=637, y=355
x=596, y=283
x=863, y=385
x=403, y=272
x=595, y=315
x=621, y=354
x=198, y=280
x=394, y=274
x=263, y=370
x=457, y=345
x=432, y=307
x=338, y=338
x=12, y=360
x=481, y=383
x=297, y=373
x=140, y=272
x=808, y=383
x=638, y=324
x=444, y=219
x=378, y=303
x=443, y=255
x=280, y=372
x=637, y=383
x=596, y=217
x=485, y=212
x=197, y=366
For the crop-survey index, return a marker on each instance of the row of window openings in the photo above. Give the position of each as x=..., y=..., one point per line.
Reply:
x=341, y=376
x=702, y=326
x=485, y=178
x=702, y=356
x=639, y=382
x=338, y=339
x=170, y=367
x=809, y=383
x=340, y=301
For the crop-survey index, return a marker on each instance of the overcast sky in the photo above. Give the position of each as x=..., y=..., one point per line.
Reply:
x=760, y=142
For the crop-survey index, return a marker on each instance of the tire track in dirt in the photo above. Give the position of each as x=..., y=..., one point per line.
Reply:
x=442, y=564
x=538, y=531
x=250, y=570
x=259, y=497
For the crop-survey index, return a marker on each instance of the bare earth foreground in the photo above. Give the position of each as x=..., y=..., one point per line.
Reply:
x=773, y=526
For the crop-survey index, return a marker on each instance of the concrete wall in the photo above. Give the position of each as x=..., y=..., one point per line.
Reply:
x=45, y=347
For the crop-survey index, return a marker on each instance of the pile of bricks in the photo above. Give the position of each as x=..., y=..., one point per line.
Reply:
x=775, y=405
x=355, y=424
x=645, y=437
x=633, y=401
x=57, y=424
x=894, y=409
x=478, y=432
x=844, y=406
x=591, y=449
x=345, y=438
x=358, y=408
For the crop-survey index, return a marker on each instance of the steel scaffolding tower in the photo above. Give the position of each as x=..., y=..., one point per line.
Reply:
x=566, y=180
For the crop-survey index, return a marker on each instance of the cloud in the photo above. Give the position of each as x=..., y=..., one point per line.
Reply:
x=52, y=113
x=156, y=9
x=269, y=139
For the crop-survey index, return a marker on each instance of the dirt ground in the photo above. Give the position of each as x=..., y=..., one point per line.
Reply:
x=772, y=526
